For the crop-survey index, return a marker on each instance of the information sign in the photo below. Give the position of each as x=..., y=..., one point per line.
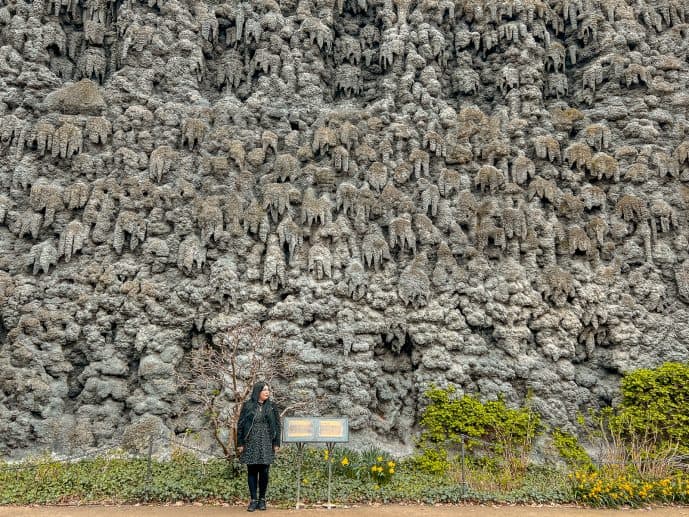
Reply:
x=303, y=430
x=315, y=429
x=299, y=430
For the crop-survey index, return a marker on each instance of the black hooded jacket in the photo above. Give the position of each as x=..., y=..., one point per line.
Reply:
x=248, y=413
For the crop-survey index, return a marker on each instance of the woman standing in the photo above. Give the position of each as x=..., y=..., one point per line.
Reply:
x=258, y=439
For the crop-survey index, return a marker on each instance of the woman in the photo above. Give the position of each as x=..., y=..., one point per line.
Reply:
x=258, y=439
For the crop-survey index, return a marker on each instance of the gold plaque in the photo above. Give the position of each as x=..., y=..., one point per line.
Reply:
x=331, y=429
x=315, y=429
x=300, y=428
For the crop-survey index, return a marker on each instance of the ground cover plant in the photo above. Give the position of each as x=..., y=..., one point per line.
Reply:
x=357, y=477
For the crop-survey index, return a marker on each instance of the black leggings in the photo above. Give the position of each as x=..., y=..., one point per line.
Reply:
x=258, y=478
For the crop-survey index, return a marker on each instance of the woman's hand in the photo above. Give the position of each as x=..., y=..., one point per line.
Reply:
x=276, y=449
x=240, y=449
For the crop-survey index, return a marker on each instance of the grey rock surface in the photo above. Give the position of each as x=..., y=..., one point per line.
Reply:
x=485, y=193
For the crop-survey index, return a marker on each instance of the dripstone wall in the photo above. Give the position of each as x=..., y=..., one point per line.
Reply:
x=478, y=192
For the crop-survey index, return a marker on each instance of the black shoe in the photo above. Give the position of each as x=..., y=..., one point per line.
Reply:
x=261, y=504
x=252, y=506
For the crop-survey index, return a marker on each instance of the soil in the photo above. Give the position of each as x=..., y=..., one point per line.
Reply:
x=392, y=510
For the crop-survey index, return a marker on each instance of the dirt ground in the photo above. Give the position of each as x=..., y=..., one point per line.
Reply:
x=392, y=510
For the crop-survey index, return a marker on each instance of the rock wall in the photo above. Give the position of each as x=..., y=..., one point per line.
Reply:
x=489, y=193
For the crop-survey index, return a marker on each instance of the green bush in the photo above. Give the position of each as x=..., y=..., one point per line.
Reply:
x=433, y=460
x=647, y=433
x=492, y=433
x=571, y=451
x=656, y=401
x=641, y=442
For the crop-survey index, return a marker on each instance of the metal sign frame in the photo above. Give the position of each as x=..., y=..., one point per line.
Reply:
x=303, y=430
x=315, y=430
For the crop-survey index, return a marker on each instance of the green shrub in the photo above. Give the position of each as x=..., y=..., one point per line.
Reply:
x=492, y=432
x=432, y=459
x=569, y=448
x=641, y=443
x=647, y=433
x=656, y=401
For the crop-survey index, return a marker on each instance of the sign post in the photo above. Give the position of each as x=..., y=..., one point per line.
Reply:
x=303, y=430
x=300, y=451
x=330, y=446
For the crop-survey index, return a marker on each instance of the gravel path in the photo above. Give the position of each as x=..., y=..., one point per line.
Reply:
x=356, y=511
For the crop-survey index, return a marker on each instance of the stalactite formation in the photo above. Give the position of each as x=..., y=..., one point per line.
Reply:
x=488, y=193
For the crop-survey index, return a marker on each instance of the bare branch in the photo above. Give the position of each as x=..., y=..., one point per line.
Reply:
x=222, y=374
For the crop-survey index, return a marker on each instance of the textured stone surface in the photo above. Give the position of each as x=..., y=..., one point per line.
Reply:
x=485, y=193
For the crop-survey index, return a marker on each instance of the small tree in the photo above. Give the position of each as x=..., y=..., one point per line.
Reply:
x=222, y=374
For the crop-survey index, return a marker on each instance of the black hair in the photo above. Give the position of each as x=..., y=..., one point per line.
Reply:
x=257, y=389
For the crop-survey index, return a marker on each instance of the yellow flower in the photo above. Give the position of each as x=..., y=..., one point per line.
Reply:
x=326, y=454
x=391, y=464
x=379, y=459
x=374, y=469
x=345, y=461
x=391, y=470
